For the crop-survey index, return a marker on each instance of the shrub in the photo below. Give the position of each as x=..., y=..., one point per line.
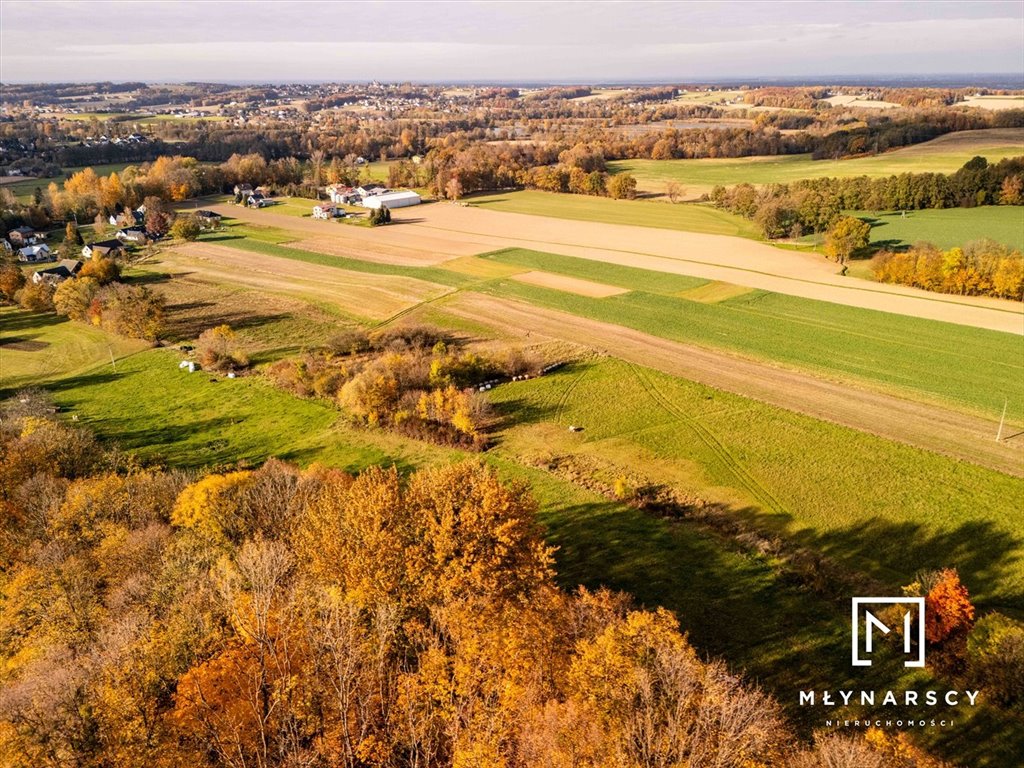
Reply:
x=219, y=350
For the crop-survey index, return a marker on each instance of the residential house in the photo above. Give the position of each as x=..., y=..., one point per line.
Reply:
x=136, y=234
x=33, y=253
x=256, y=200
x=208, y=219
x=327, y=211
x=67, y=268
x=339, y=193
x=109, y=248
x=244, y=190
x=370, y=190
x=129, y=218
x=23, y=236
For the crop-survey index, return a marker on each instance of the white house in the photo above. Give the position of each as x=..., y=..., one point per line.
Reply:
x=109, y=248
x=67, y=269
x=327, y=211
x=392, y=200
x=370, y=190
x=32, y=253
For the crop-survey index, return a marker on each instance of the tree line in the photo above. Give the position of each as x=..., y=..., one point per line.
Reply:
x=981, y=268
x=812, y=205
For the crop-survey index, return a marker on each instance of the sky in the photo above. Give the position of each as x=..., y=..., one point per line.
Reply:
x=522, y=41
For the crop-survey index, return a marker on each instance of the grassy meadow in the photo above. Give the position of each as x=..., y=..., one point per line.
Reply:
x=947, y=227
x=37, y=348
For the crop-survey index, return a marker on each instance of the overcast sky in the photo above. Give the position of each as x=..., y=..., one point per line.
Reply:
x=283, y=40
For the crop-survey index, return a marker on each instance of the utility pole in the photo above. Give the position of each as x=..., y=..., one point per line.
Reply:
x=114, y=363
x=1002, y=419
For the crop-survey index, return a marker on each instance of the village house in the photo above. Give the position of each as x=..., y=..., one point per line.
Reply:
x=256, y=200
x=243, y=189
x=327, y=211
x=109, y=248
x=66, y=269
x=208, y=219
x=23, y=236
x=34, y=253
x=370, y=190
x=137, y=235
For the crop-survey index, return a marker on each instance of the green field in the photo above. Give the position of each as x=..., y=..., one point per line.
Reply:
x=643, y=213
x=947, y=227
x=36, y=348
x=873, y=509
x=970, y=367
x=944, y=155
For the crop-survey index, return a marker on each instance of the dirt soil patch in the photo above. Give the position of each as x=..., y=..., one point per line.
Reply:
x=569, y=284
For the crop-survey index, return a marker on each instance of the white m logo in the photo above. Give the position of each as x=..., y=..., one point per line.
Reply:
x=871, y=624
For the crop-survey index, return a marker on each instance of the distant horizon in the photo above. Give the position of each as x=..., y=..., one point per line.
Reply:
x=1001, y=80
x=498, y=41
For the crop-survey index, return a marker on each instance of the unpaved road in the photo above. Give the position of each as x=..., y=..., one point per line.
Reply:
x=430, y=234
x=933, y=428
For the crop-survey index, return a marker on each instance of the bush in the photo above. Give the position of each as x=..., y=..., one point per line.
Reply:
x=403, y=337
x=348, y=343
x=219, y=350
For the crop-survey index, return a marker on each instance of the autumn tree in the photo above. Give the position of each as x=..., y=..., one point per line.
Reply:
x=186, y=228
x=948, y=607
x=622, y=186
x=453, y=189
x=12, y=280
x=102, y=269
x=74, y=297
x=36, y=297
x=845, y=237
x=674, y=190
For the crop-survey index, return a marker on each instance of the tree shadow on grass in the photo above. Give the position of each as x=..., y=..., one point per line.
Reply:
x=22, y=320
x=185, y=324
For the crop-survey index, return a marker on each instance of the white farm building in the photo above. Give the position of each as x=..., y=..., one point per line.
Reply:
x=392, y=200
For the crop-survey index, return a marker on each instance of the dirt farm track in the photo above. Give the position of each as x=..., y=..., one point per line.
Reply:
x=434, y=233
